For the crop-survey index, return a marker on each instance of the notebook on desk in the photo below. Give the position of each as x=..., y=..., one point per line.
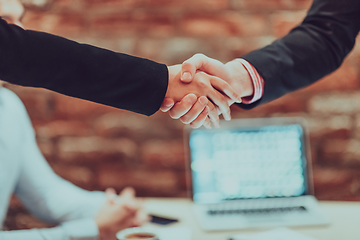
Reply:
x=252, y=173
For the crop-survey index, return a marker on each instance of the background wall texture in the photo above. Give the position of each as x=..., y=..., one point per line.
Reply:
x=96, y=146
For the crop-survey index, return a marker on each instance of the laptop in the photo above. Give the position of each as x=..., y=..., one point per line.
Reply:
x=252, y=173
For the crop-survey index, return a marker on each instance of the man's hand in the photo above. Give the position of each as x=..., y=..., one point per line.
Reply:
x=119, y=212
x=232, y=72
x=215, y=89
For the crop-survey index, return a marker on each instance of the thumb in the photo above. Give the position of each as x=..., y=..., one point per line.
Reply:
x=189, y=67
x=203, y=63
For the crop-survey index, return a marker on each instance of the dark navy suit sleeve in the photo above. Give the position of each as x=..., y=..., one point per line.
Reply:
x=38, y=59
x=310, y=51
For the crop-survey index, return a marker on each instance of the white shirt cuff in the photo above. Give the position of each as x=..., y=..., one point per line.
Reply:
x=81, y=229
x=257, y=80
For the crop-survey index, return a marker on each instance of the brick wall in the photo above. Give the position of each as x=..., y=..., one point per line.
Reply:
x=95, y=146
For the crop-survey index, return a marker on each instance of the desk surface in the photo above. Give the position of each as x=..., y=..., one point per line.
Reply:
x=344, y=218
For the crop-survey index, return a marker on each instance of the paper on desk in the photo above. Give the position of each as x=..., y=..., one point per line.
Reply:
x=276, y=234
x=174, y=233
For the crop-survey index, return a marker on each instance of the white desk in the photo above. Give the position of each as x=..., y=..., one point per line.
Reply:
x=344, y=217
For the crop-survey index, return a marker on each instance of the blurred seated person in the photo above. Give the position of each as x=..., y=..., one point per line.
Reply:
x=79, y=214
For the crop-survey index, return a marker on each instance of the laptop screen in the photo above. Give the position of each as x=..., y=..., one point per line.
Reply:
x=247, y=162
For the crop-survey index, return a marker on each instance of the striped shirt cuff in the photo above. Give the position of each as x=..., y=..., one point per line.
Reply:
x=258, y=82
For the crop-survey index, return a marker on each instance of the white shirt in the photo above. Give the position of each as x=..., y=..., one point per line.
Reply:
x=25, y=172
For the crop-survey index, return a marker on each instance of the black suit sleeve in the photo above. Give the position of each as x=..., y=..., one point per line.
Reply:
x=310, y=51
x=37, y=59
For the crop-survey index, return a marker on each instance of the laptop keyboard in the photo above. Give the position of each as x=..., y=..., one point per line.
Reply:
x=281, y=210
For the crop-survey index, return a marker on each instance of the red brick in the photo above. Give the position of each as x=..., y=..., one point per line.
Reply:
x=282, y=22
x=163, y=154
x=335, y=103
x=80, y=176
x=338, y=152
x=238, y=46
x=330, y=127
x=357, y=126
x=332, y=183
x=73, y=108
x=39, y=4
x=246, y=25
x=135, y=126
x=111, y=5
x=270, y=5
x=177, y=49
x=149, y=48
x=345, y=78
x=206, y=26
x=26, y=221
x=67, y=6
x=146, y=181
x=155, y=24
x=47, y=148
x=121, y=25
x=66, y=25
x=59, y=128
x=203, y=5
x=95, y=149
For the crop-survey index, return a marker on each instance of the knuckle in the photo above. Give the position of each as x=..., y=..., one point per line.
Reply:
x=195, y=125
x=200, y=55
x=174, y=114
x=185, y=119
x=186, y=64
x=223, y=101
x=203, y=84
x=212, y=107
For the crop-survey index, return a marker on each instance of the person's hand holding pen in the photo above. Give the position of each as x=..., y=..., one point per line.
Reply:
x=232, y=72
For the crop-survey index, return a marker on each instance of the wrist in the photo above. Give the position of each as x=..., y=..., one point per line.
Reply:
x=240, y=78
x=104, y=231
x=173, y=81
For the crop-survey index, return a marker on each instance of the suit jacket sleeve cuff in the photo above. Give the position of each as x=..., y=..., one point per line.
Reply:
x=257, y=81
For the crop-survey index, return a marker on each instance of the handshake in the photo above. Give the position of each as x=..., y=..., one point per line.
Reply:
x=203, y=88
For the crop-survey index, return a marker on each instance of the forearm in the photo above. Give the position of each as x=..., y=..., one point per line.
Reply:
x=60, y=201
x=314, y=49
x=74, y=230
x=38, y=59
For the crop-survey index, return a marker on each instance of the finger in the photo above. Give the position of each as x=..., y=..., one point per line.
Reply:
x=128, y=194
x=189, y=67
x=141, y=218
x=213, y=115
x=201, y=119
x=201, y=62
x=167, y=104
x=182, y=107
x=224, y=87
x=195, y=111
x=131, y=206
x=110, y=191
x=221, y=101
x=207, y=123
x=110, y=194
x=128, y=219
